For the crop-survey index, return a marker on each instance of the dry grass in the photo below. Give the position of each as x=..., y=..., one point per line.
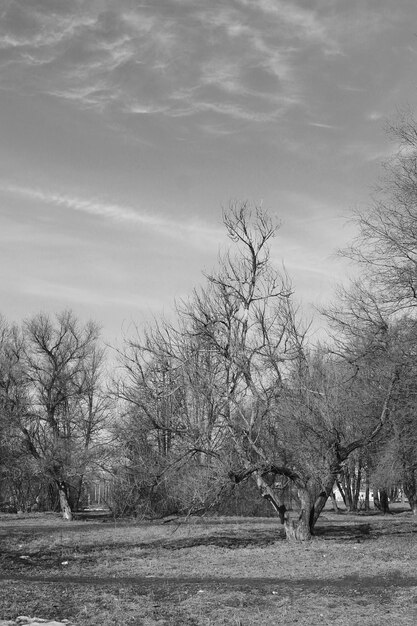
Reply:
x=214, y=571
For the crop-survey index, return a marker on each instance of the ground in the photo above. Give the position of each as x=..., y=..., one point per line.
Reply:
x=209, y=571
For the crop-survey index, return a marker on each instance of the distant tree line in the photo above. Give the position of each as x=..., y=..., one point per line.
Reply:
x=233, y=392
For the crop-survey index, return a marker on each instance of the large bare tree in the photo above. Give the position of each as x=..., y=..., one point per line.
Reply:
x=386, y=244
x=66, y=408
x=252, y=395
x=19, y=477
x=375, y=315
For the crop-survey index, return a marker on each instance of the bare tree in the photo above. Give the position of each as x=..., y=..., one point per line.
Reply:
x=252, y=397
x=20, y=481
x=375, y=317
x=396, y=463
x=167, y=390
x=386, y=245
x=65, y=410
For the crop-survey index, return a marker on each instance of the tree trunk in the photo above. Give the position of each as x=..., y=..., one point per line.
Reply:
x=367, y=507
x=410, y=490
x=381, y=501
x=348, y=489
x=334, y=502
x=76, y=493
x=299, y=528
x=351, y=480
x=357, y=490
x=267, y=492
x=413, y=505
x=312, y=505
x=63, y=501
x=342, y=493
x=321, y=499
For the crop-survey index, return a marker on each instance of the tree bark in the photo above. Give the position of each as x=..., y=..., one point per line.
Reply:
x=357, y=486
x=267, y=492
x=367, y=489
x=334, y=502
x=299, y=529
x=413, y=505
x=298, y=526
x=342, y=492
x=383, y=499
x=410, y=490
x=321, y=499
x=63, y=502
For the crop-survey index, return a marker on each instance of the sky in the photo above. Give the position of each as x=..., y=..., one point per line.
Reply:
x=127, y=126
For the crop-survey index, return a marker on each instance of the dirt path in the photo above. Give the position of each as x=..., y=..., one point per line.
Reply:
x=356, y=584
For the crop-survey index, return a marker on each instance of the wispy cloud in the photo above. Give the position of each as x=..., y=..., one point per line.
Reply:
x=238, y=61
x=305, y=24
x=322, y=125
x=369, y=152
x=192, y=232
x=140, y=59
x=93, y=207
x=59, y=292
x=375, y=116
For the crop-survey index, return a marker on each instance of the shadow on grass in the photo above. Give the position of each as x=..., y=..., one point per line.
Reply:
x=345, y=532
x=49, y=558
x=241, y=538
x=348, y=531
x=227, y=534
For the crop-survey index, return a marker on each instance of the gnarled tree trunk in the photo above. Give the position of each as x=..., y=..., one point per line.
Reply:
x=311, y=506
x=299, y=528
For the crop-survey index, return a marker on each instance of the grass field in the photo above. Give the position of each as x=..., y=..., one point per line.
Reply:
x=210, y=571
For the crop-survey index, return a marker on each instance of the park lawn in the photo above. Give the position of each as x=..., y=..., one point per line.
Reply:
x=358, y=570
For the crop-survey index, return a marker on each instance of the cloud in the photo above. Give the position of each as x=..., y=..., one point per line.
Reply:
x=322, y=125
x=155, y=58
x=305, y=24
x=230, y=109
x=375, y=116
x=191, y=232
x=369, y=152
x=23, y=26
x=111, y=211
x=239, y=61
x=63, y=292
